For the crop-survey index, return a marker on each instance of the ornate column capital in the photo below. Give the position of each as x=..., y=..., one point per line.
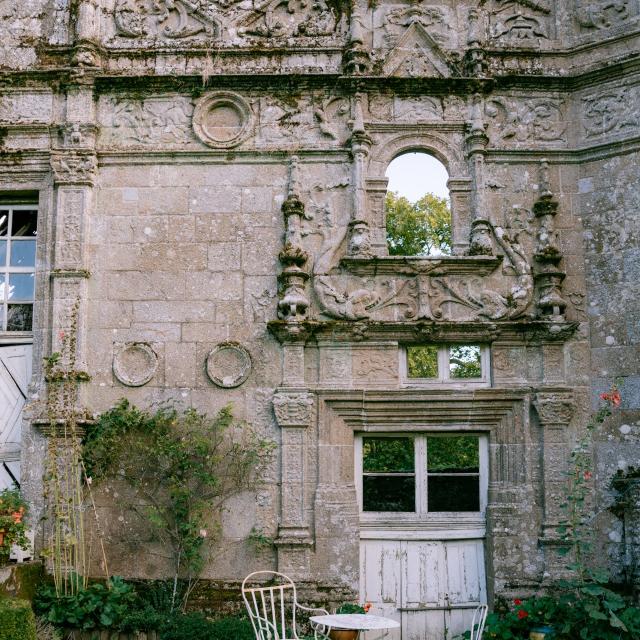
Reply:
x=293, y=409
x=554, y=408
x=74, y=168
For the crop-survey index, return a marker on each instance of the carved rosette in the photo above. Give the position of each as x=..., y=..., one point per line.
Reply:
x=223, y=120
x=554, y=409
x=548, y=275
x=293, y=409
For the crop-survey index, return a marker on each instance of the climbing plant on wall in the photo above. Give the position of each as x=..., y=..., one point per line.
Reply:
x=181, y=468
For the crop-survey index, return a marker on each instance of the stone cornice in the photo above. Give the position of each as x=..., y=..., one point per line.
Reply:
x=522, y=332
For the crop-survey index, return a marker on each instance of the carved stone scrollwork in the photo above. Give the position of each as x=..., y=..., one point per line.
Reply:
x=74, y=167
x=554, y=409
x=602, y=14
x=293, y=409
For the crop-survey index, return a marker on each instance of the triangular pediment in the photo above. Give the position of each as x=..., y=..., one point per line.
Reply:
x=416, y=54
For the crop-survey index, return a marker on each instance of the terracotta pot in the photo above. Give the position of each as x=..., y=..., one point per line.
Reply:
x=343, y=634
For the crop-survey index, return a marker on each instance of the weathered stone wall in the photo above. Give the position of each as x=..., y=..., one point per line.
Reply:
x=211, y=185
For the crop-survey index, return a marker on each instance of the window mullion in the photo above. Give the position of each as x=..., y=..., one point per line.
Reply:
x=443, y=362
x=421, y=474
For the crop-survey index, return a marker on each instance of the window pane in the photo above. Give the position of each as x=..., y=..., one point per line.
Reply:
x=388, y=493
x=3, y=253
x=3, y=288
x=24, y=223
x=453, y=493
x=464, y=362
x=422, y=362
x=19, y=317
x=387, y=455
x=456, y=454
x=23, y=253
x=21, y=286
x=4, y=222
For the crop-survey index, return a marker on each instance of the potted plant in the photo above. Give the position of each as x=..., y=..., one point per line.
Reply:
x=13, y=530
x=346, y=608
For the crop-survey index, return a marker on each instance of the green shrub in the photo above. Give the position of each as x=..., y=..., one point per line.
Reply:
x=194, y=626
x=97, y=606
x=17, y=621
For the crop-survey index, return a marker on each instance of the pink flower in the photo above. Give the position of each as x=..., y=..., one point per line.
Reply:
x=613, y=397
x=588, y=475
x=203, y=533
x=61, y=335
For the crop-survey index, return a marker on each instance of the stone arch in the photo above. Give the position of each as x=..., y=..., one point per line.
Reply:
x=459, y=184
x=439, y=148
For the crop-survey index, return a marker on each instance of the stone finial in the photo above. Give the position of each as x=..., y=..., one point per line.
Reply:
x=357, y=60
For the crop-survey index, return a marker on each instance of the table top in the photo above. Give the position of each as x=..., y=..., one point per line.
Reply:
x=360, y=621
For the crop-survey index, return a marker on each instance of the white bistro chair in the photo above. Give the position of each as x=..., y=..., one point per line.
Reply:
x=478, y=622
x=273, y=606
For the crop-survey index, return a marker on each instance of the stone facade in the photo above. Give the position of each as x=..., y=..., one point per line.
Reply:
x=211, y=176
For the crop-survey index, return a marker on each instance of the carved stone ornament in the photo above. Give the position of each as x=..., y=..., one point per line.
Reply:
x=223, y=119
x=228, y=365
x=293, y=409
x=134, y=364
x=73, y=167
x=554, y=408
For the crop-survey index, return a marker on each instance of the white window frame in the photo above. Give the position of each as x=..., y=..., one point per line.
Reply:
x=8, y=336
x=422, y=518
x=444, y=379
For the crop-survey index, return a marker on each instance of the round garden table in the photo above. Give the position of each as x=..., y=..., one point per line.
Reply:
x=354, y=622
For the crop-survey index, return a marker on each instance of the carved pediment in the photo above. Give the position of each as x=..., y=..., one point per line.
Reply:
x=417, y=54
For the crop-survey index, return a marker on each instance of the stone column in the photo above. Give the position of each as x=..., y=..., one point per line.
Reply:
x=359, y=245
x=555, y=410
x=480, y=239
x=460, y=191
x=294, y=412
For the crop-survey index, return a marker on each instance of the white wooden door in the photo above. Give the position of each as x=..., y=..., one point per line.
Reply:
x=15, y=373
x=430, y=586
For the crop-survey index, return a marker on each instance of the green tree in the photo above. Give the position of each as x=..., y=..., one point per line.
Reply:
x=421, y=228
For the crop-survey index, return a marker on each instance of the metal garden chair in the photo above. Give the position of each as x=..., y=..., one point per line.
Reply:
x=273, y=606
x=478, y=622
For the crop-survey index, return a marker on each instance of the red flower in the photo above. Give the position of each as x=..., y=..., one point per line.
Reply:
x=613, y=397
x=522, y=614
x=517, y=602
x=367, y=606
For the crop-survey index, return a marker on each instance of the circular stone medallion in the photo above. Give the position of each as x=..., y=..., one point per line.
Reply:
x=222, y=119
x=135, y=364
x=228, y=365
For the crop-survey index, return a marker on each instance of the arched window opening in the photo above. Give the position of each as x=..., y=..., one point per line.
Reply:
x=417, y=206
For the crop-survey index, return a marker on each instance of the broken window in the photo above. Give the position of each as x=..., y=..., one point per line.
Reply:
x=417, y=210
x=18, y=228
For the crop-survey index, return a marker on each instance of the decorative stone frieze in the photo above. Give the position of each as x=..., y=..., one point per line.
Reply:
x=74, y=167
x=555, y=409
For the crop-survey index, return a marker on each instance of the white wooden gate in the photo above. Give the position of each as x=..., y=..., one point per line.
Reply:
x=430, y=586
x=15, y=373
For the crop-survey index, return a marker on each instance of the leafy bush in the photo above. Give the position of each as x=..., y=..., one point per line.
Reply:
x=97, y=606
x=195, y=626
x=595, y=614
x=17, y=621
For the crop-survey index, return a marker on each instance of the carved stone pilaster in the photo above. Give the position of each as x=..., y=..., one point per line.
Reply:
x=548, y=274
x=480, y=239
x=294, y=301
x=294, y=413
x=475, y=60
x=555, y=410
x=359, y=244
x=356, y=60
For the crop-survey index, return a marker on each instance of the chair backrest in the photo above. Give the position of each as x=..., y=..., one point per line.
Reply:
x=272, y=607
x=478, y=622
